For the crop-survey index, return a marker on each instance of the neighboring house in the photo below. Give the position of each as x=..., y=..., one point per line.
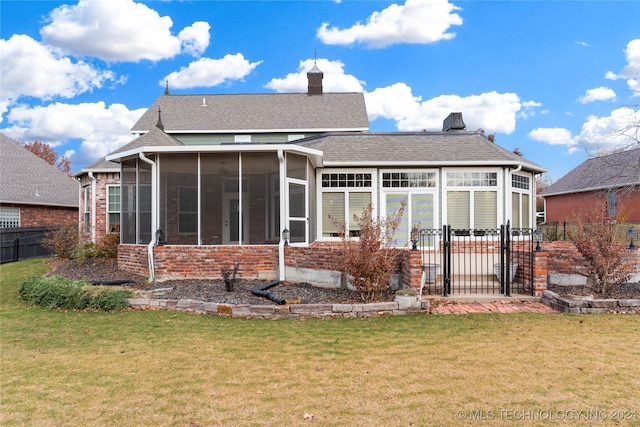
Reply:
x=32, y=192
x=614, y=179
x=99, y=199
x=209, y=173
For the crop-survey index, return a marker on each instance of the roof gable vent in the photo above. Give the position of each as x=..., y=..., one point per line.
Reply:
x=453, y=122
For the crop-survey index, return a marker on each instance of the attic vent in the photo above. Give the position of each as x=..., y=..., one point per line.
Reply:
x=204, y=102
x=453, y=122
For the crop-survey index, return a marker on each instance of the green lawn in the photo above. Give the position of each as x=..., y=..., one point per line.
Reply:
x=177, y=369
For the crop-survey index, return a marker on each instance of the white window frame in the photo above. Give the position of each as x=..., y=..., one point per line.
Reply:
x=411, y=191
x=498, y=188
x=373, y=190
x=109, y=212
x=520, y=192
x=86, y=208
x=9, y=217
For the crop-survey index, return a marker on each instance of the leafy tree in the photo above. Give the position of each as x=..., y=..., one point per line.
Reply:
x=48, y=154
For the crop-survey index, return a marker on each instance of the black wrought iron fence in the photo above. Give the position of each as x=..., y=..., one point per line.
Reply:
x=477, y=261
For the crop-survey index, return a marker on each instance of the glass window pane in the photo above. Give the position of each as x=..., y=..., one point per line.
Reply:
x=458, y=209
x=332, y=213
x=297, y=201
x=515, y=210
x=526, y=217
x=393, y=204
x=296, y=166
x=485, y=210
x=358, y=202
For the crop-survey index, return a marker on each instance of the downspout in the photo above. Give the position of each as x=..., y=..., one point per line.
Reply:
x=93, y=206
x=154, y=222
x=508, y=193
x=281, y=266
x=80, y=206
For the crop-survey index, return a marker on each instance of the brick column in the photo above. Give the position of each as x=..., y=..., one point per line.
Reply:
x=412, y=269
x=540, y=272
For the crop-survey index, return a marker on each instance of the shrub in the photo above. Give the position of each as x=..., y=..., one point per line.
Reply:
x=63, y=242
x=597, y=238
x=59, y=292
x=230, y=276
x=108, y=246
x=369, y=259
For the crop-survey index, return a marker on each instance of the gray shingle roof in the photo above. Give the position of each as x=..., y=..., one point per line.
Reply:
x=419, y=148
x=100, y=165
x=27, y=179
x=154, y=138
x=612, y=171
x=295, y=112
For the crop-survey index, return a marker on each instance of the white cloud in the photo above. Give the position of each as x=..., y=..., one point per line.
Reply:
x=491, y=111
x=597, y=133
x=32, y=70
x=195, y=39
x=207, y=72
x=334, y=78
x=631, y=71
x=597, y=94
x=553, y=136
x=417, y=21
x=120, y=30
x=101, y=129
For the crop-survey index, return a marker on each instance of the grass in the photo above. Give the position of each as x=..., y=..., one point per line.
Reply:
x=177, y=369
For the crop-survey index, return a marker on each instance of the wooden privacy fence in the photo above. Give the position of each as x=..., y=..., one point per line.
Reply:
x=22, y=243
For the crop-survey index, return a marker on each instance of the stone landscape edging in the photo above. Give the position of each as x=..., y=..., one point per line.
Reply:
x=589, y=305
x=288, y=311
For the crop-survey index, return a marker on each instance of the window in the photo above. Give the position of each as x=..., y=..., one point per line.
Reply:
x=472, y=179
x=344, y=195
x=87, y=209
x=520, y=201
x=113, y=208
x=408, y=179
x=242, y=139
x=417, y=190
x=188, y=210
x=472, y=200
x=9, y=217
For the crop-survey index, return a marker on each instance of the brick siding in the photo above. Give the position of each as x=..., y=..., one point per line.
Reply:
x=36, y=216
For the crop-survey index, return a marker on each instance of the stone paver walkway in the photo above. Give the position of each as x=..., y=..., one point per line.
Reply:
x=454, y=307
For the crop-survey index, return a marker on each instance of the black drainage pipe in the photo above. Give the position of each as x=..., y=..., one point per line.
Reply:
x=261, y=291
x=111, y=282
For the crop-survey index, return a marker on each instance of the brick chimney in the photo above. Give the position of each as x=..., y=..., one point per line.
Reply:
x=315, y=81
x=453, y=122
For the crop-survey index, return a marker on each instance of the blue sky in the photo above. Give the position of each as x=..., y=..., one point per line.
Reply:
x=554, y=79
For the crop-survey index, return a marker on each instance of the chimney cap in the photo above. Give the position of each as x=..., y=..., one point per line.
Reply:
x=453, y=122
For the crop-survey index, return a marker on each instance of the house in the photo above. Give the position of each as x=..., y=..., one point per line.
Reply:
x=99, y=199
x=613, y=179
x=217, y=179
x=33, y=193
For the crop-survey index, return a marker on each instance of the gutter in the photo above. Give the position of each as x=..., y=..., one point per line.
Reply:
x=154, y=224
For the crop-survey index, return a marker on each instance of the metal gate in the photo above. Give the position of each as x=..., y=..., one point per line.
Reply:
x=477, y=261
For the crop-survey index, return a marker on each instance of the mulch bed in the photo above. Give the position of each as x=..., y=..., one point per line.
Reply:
x=96, y=269
x=102, y=269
